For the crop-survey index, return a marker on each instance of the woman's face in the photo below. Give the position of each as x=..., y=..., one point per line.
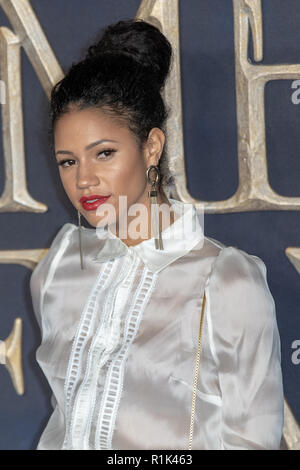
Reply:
x=99, y=158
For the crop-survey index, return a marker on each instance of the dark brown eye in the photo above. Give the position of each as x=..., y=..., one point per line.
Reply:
x=62, y=163
x=107, y=153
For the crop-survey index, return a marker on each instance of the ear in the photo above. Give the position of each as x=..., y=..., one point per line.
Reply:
x=154, y=146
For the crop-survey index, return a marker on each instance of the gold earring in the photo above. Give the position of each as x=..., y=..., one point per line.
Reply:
x=80, y=242
x=155, y=222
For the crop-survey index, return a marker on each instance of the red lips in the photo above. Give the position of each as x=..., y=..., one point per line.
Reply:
x=97, y=200
x=92, y=196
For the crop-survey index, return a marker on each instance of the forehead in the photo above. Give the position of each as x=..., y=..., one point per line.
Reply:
x=87, y=124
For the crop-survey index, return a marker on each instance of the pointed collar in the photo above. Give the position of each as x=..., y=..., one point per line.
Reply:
x=178, y=239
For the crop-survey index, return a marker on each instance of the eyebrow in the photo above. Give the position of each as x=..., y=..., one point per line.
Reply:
x=88, y=147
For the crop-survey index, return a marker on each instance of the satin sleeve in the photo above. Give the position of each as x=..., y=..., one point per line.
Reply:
x=42, y=272
x=247, y=349
x=40, y=277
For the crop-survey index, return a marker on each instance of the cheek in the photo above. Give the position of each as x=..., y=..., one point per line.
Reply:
x=130, y=177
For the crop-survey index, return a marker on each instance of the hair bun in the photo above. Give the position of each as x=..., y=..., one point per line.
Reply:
x=139, y=40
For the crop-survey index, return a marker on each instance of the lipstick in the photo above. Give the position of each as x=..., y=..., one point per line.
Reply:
x=90, y=203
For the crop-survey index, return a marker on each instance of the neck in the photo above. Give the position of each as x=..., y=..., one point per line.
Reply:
x=164, y=221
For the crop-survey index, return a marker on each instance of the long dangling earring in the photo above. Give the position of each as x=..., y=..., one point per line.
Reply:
x=152, y=193
x=80, y=242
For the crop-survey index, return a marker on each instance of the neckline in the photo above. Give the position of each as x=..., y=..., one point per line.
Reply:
x=177, y=209
x=178, y=239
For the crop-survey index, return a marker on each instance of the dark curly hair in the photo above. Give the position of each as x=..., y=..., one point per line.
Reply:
x=123, y=73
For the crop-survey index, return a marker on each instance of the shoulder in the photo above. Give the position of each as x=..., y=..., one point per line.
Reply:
x=238, y=286
x=241, y=310
x=42, y=271
x=61, y=237
x=238, y=265
x=233, y=263
x=230, y=262
x=66, y=230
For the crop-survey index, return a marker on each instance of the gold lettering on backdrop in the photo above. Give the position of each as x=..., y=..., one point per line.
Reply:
x=11, y=348
x=165, y=15
x=11, y=356
x=27, y=258
x=291, y=431
x=254, y=191
x=293, y=254
x=2, y=92
x=28, y=34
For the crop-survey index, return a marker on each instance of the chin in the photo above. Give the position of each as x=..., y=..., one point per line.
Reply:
x=101, y=222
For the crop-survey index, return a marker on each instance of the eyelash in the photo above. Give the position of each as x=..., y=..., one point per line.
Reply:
x=103, y=151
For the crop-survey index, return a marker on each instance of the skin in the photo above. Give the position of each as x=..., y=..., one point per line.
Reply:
x=96, y=170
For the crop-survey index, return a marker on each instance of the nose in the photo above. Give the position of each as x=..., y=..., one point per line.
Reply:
x=86, y=176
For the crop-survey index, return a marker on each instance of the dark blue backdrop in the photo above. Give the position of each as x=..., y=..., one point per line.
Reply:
x=208, y=91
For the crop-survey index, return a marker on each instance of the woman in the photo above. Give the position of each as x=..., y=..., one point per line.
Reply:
x=119, y=310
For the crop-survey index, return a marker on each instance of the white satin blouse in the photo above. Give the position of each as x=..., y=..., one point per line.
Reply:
x=119, y=342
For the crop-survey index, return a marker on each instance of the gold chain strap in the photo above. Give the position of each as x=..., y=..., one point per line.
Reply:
x=196, y=376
